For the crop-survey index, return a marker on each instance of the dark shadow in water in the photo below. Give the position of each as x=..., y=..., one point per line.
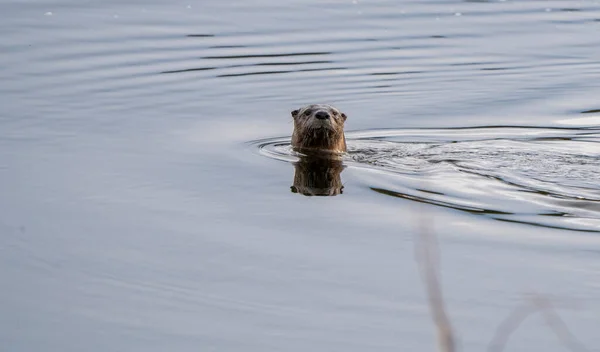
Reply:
x=472, y=63
x=394, y=73
x=547, y=226
x=593, y=111
x=279, y=72
x=318, y=175
x=471, y=210
x=200, y=35
x=226, y=46
x=258, y=56
x=292, y=63
x=190, y=70
x=259, y=64
x=494, y=214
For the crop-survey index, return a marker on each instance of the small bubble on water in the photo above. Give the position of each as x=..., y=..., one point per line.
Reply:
x=115, y=16
x=457, y=14
x=548, y=10
x=48, y=13
x=355, y=2
x=189, y=6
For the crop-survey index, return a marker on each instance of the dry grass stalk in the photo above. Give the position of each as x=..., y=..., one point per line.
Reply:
x=428, y=259
x=535, y=304
x=427, y=255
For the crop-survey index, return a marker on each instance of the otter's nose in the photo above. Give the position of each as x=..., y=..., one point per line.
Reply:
x=322, y=115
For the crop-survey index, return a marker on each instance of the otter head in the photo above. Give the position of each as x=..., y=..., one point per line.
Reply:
x=319, y=127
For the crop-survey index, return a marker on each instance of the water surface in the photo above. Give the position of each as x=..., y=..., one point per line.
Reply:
x=139, y=212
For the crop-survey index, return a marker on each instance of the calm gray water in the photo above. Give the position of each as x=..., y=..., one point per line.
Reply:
x=146, y=174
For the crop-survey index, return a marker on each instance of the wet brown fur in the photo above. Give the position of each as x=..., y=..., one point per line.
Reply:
x=310, y=133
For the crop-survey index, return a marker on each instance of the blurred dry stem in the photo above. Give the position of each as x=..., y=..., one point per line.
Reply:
x=427, y=255
x=535, y=304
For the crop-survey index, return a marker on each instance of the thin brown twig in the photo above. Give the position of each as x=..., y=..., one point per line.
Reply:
x=428, y=258
x=508, y=326
x=536, y=304
x=557, y=325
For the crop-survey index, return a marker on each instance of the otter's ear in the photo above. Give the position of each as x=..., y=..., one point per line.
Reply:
x=295, y=113
x=344, y=116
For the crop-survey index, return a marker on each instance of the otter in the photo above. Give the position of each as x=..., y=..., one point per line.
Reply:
x=319, y=127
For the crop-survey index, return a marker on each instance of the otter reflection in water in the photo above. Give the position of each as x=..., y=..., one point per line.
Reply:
x=319, y=136
x=318, y=175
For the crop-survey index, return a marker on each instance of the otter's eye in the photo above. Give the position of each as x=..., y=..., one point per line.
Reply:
x=307, y=112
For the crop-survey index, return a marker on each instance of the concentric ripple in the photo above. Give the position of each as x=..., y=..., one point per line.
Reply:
x=539, y=176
